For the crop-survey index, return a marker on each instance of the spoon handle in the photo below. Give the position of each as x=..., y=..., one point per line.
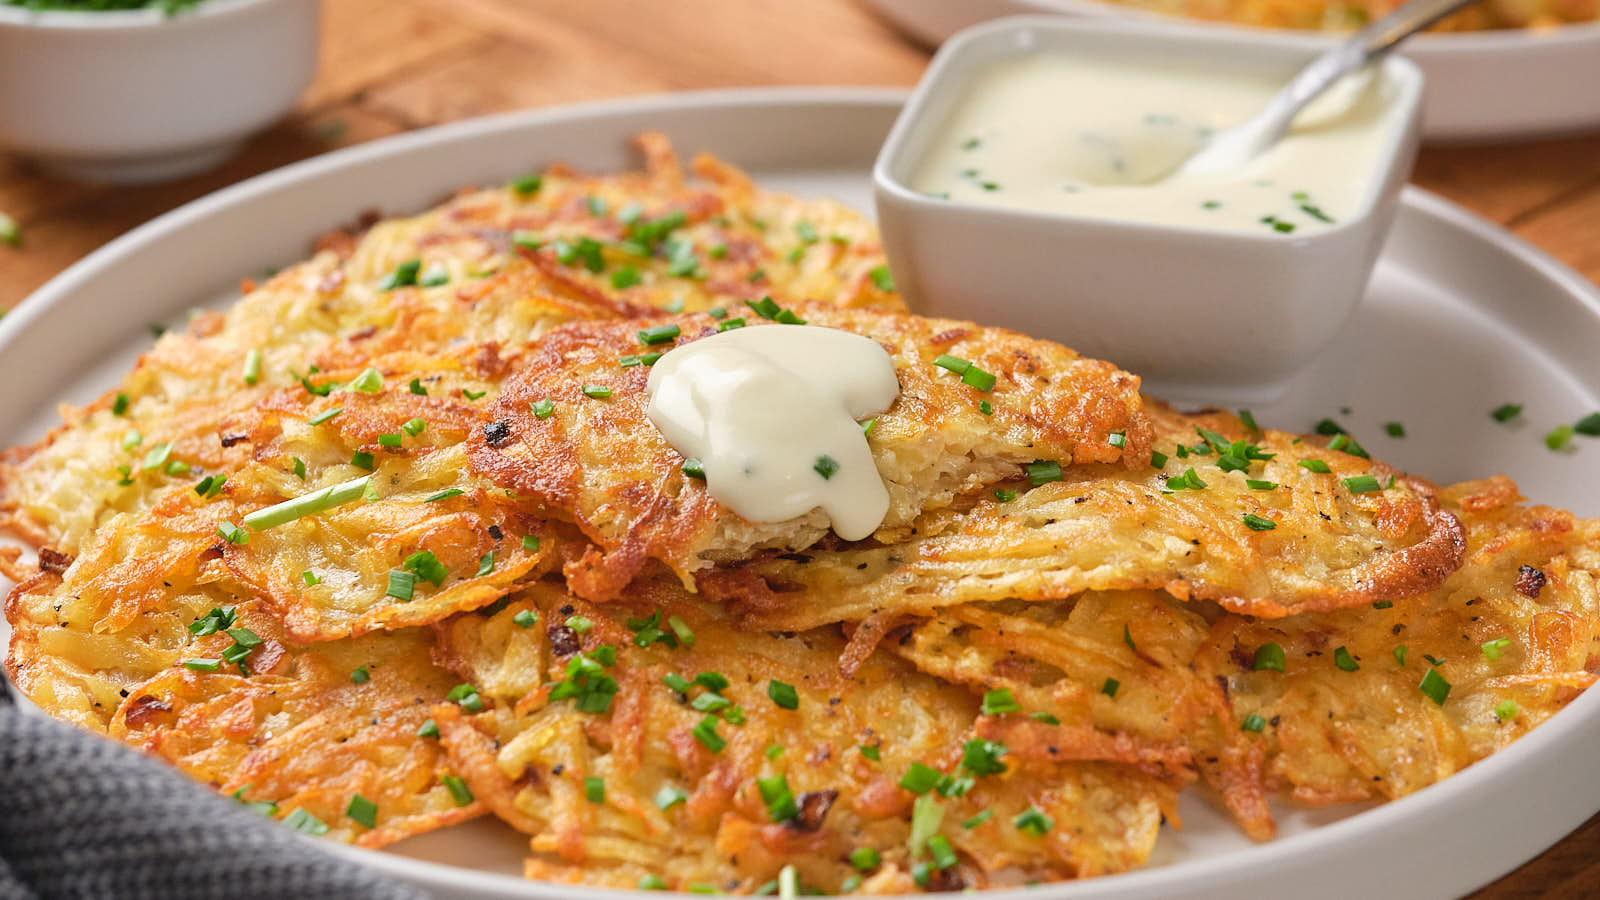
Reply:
x=1371, y=41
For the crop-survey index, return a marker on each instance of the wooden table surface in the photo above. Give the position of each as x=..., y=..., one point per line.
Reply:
x=392, y=65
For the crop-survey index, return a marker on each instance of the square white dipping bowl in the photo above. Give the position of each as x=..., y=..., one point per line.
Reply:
x=1200, y=313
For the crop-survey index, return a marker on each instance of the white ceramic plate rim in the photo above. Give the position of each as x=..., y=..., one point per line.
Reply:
x=1359, y=847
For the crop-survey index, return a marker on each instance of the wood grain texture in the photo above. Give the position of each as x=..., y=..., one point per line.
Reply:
x=392, y=65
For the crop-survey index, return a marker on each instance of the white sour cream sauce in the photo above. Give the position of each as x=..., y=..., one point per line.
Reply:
x=1090, y=136
x=771, y=412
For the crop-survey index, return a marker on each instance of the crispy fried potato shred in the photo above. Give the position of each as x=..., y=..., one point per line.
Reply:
x=362, y=553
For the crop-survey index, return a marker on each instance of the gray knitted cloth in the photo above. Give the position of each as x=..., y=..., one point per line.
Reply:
x=84, y=817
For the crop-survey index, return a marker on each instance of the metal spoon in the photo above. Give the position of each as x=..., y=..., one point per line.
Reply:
x=1236, y=146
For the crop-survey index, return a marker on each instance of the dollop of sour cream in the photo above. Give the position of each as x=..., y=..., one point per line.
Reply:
x=1099, y=135
x=772, y=414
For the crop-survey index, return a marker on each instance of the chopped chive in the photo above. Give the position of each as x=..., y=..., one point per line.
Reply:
x=1109, y=688
x=233, y=534
x=1559, y=437
x=625, y=277
x=1043, y=471
x=1258, y=485
x=458, y=790
x=868, y=425
x=978, y=819
x=308, y=504
x=730, y=324
x=1000, y=701
x=1400, y=654
x=882, y=278
x=784, y=695
x=530, y=542
x=1434, y=685
x=1493, y=649
x=360, y=675
x=1315, y=465
x=825, y=466
x=1127, y=638
x=1362, y=484
x=1253, y=722
x=305, y=823
x=542, y=409
x=471, y=394
x=1507, y=710
x=325, y=416
x=414, y=427
x=954, y=363
x=659, y=334
x=1395, y=429
x=203, y=665
x=428, y=729
x=526, y=618
x=1343, y=659
x=594, y=789
x=871, y=752
x=865, y=859
x=779, y=799
x=772, y=752
x=417, y=388
x=597, y=391
x=1158, y=459
x=1117, y=439
x=580, y=624
x=681, y=629
x=1258, y=523
x=694, y=469
x=1269, y=656
x=389, y=440
x=445, y=494
x=705, y=731
x=404, y=275
x=311, y=578
x=434, y=277
x=1033, y=821
x=1383, y=604
x=1589, y=425
x=1044, y=717
x=920, y=779
x=1506, y=412
x=368, y=382
x=485, y=564
x=1004, y=495
x=402, y=585
x=525, y=185
x=651, y=882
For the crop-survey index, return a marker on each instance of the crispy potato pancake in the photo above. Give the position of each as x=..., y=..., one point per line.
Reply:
x=602, y=465
x=1333, y=707
x=667, y=783
x=1264, y=536
x=322, y=553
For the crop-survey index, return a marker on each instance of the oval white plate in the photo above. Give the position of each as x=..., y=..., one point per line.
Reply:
x=1482, y=86
x=1460, y=317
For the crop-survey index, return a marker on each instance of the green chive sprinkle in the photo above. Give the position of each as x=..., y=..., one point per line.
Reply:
x=882, y=279
x=1043, y=471
x=526, y=618
x=659, y=334
x=597, y=391
x=1269, y=657
x=1506, y=412
x=1315, y=465
x=1493, y=649
x=1434, y=685
x=458, y=790
x=1362, y=484
x=1000, y=701
x=826, y=466
x=1343, y=659
x=428, y=729
x=1507, y=710
x=783, y=694
x=1258, y=485
x=1559, y=437
x=1033, y=821
x=1109, y=688
x=1257, y=523
x=360, y=675
x=1253, y=722
x=594, y=789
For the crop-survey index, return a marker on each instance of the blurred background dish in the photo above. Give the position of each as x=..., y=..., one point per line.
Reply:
x=149, y=94
x=1487, y=80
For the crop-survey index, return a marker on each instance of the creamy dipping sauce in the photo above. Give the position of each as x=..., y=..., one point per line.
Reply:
x=771, y=413
x=1091, y=136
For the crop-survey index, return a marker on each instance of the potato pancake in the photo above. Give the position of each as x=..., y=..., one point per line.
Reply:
x=392, y=543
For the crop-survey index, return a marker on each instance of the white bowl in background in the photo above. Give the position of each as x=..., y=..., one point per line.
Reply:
x=1483, y=86
x=1201, y=314
x=134, y=96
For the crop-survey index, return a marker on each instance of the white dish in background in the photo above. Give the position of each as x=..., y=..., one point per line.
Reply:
x=1482, y=86
x=1117, y=288
x=1460, y=316
x=133, y=96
